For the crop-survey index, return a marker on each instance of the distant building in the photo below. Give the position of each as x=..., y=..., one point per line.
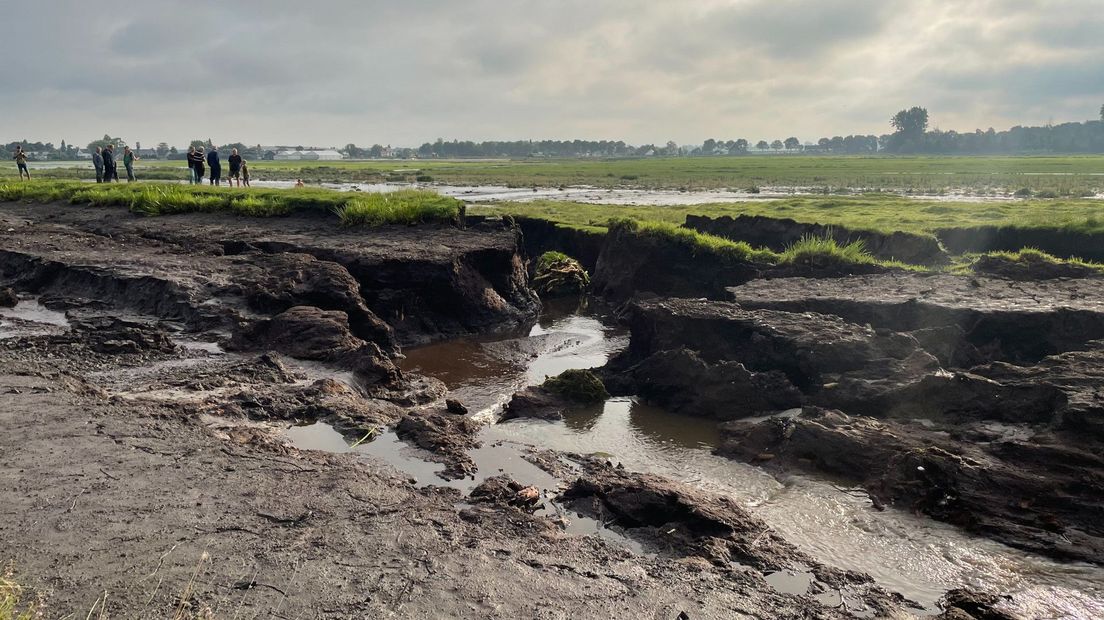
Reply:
x=314, y=155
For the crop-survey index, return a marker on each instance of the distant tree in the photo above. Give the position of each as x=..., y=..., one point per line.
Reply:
x=197, y=144
x=739, y=146
x=909, y=127
x=762, y=145
x=172, y=150
x=792, y=144
x=163, y=150
x=376, y=151
x=352, y=151
x=107, y=139
x=777, y=145
x=709, y=146
x=911, y=122
x=824, y=143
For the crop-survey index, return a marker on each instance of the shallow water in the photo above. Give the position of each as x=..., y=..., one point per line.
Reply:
x=30, y=318
x=916, y=556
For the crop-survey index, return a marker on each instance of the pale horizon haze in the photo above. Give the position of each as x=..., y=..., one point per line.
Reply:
x=331, y=72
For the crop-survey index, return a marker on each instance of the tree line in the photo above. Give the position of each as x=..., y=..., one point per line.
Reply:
x=910, y=136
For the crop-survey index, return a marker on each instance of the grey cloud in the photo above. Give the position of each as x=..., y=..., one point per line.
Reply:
x=335, y=71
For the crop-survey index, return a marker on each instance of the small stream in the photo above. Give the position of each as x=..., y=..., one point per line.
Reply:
x=915, y=556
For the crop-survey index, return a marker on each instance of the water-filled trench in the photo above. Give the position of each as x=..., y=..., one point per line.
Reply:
x=913, y=555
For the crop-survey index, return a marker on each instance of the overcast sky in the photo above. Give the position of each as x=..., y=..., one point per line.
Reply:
x=329, y=72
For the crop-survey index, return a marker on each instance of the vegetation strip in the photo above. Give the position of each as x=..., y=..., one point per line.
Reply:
x=352, y=209
x=1063, y=176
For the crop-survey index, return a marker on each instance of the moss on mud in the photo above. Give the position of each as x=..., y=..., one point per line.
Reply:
x=557, y=275
x=581, y=386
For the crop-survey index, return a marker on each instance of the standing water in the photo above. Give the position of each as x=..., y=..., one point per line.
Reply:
x=918, y=557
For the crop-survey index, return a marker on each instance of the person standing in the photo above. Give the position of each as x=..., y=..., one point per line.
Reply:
x=20, y=158
x=128, y=163
x=190, y=158
x=216, y=165
x=245, y=173
x=198, y=160
x=109, y=164
x=98, y=164
x=235, y=162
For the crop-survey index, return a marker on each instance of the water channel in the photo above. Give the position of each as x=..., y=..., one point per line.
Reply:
x=913, y=555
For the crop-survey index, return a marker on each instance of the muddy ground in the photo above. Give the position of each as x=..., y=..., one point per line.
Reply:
x=152, y=364
x=143, y=470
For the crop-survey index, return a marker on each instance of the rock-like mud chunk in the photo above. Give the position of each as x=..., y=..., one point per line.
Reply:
x=310, y=333
x=1040, y=494
x=290, y=279
x=680, y=380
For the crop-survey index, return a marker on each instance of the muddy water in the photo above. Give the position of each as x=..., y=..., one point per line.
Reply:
x=915, y=556
x=489, y=194
x=30, y=318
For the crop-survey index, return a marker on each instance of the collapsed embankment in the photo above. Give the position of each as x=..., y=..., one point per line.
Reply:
x=312, y=319
x=780, y=233
x=348, y=301
x=962, y=398
x=1058, y=242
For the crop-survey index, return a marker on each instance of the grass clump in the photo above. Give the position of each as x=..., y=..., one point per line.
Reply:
x=582, y=386
x=814, y=251
x=1029, y=263
x=13, y=605
x=695, y=242
x=557, y=274
x=401, y=207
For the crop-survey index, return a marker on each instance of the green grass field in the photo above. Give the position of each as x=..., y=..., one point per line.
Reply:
x=1066, y=176
x=884, y=213
x=348, y=208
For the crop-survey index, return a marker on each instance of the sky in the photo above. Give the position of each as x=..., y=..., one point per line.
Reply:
x=403, y=72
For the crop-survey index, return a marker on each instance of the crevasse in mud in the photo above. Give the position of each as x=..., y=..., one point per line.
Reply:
x=915, y=556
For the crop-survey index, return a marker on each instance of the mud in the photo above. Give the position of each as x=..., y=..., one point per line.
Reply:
x=1062, y=243
x=142, y=457
x=994, y=432
x=147, y=448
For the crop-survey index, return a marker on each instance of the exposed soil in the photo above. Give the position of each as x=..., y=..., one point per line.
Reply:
x=976, y=401
x=143, y=464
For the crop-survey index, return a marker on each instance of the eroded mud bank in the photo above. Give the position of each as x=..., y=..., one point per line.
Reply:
x=171, y=353
x=975, y=401
x=143, y=454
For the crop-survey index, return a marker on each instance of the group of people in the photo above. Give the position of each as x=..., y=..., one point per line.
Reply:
x=103, y=160
x=239, y=168
x=107, y=169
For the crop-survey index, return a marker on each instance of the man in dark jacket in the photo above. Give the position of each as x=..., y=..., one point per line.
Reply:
x=235, y=161
x=98, y=163
x=216, y=166
x=109, y=163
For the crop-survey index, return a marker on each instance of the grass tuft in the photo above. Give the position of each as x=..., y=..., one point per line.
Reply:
x=401, y=207
x=13, y=605
x=816, y=251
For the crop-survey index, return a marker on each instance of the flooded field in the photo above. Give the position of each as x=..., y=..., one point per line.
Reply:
x=913, y=555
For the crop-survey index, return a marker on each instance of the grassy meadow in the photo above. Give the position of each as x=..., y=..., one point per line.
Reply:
x=349, y=208
x=1058, y=176
x=880, y=212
